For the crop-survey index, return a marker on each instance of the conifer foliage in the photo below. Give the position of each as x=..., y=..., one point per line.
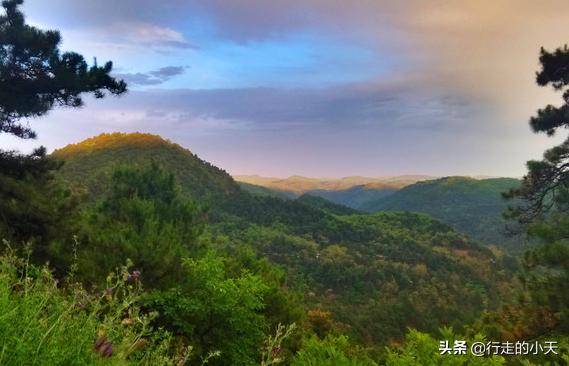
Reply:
x=35, y=76
x=548, y=178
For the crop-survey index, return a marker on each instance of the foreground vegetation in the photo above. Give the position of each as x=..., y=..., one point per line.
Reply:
x=45, y=322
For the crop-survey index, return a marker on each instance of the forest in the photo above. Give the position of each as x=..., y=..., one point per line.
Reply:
x=127, y=248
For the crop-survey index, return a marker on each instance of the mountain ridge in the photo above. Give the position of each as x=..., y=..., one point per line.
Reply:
x=89, y=163
x=299, y=185
x=473, y=206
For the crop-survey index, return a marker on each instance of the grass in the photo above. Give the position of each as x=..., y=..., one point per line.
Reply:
x=45, y=322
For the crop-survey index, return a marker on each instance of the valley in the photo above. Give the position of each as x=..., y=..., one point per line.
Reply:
x=473, y=206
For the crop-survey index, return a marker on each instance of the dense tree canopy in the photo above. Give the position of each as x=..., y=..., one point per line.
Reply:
x=33, y=207
x=145, y=219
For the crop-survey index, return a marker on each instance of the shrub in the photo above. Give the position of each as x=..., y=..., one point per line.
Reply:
x=45, y=322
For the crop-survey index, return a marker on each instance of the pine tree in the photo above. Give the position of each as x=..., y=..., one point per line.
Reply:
x=547, y=181
x=35, y=76
x=545, y=190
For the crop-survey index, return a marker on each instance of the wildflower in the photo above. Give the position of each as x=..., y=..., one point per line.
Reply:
x=104, y=347
x=108, y=293
x=275, y=351
x=133, y=276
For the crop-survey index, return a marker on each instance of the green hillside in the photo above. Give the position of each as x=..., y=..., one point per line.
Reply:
x=473, y=206
x=355, y=197
x=374, y=274
x=263, y=191
x=379, y=274
x=326, y=205
x=90, y=163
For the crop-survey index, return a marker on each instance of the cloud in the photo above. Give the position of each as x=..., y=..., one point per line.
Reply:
x=149, y=35
x=135, y=35
x=168, y=71
x=388, y=107
x=154, y=77
x=484, y=47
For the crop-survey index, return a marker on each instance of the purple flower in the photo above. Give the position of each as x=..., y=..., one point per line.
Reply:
x=104, y=347
x=108, y=350
x=133, y=276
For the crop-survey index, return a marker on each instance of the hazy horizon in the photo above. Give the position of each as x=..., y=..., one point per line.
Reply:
x=316, y=88
x=236, y=176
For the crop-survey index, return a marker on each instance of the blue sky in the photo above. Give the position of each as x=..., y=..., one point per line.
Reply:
x=316, y=87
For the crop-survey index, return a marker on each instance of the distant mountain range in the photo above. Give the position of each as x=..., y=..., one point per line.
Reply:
x=299, y=185
x=472, y=205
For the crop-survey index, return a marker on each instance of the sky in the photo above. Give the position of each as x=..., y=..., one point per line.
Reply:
x=320, y=88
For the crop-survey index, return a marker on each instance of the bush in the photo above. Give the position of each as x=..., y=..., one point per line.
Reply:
x=214, y=312
x=43, y=322
x=423, y=349
x=331, y=351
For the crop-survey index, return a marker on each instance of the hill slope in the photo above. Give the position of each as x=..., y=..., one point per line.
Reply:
x=472, y=206
x=356, y=197
x=326, y=205
x=90, y=163
x=264, y=191
x=299, y=185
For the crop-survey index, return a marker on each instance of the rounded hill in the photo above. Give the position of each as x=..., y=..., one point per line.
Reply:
x=91, y=162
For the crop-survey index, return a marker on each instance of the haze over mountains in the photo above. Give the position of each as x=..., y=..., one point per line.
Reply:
x=354, y=192
x=300, y=185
